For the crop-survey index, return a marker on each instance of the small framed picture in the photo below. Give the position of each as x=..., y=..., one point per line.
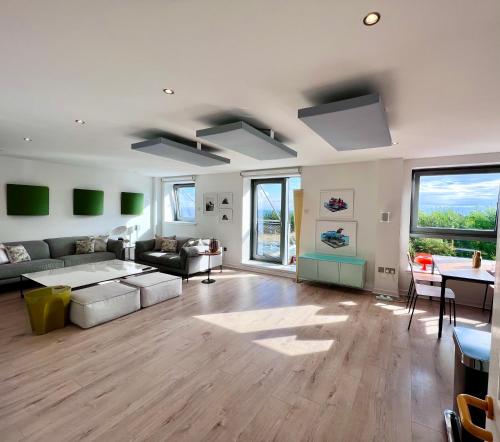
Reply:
x=226, y=200
x=226, y=215
x=209, y=203
x=336, y=204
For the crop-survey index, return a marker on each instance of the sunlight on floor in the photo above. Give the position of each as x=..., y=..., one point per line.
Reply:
x=291, y=346
x=397, y=309
x=431, y=323
x=272, y=319
x=349, y=303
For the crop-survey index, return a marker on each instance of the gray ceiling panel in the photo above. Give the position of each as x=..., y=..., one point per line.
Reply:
x=173, y=150
x=247, y=140
x=356, y=123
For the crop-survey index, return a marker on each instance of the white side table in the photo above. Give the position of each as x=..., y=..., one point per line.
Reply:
x=128, y=251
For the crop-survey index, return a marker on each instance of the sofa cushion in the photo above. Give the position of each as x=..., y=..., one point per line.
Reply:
x=4, y=259
x=36, y=249
x=74, y=260
x=63, y=246
x=159, y=239
x=17, y=254
x=172, y=260
x=14, y=270
x=169, y=245
x=181, y=241
x=84, y=246
x=100, y=243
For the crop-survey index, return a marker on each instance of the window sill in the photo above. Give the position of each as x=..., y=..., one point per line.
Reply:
x=189, y=223
x=270, y=266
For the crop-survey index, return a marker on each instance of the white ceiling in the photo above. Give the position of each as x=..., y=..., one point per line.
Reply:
x=436, y=65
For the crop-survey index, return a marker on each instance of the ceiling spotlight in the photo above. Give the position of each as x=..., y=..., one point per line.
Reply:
x=169, y=91
x=27, y=139
x=394, y=143
x=79, y=122
x=371, y=19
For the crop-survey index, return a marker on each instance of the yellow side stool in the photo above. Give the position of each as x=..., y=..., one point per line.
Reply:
x=48, y=308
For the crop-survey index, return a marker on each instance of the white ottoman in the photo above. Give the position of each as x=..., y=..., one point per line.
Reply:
x=155, y=287
x=102, y=303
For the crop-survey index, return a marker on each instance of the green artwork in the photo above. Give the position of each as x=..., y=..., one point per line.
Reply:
x=132, y=203
x=88, y=202
x=27, y=200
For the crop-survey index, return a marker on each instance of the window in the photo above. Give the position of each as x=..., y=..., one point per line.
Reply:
x=455, y=210
x=184, y=199
x=273, y=226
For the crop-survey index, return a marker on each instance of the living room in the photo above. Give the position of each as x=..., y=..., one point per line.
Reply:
x=273, y=236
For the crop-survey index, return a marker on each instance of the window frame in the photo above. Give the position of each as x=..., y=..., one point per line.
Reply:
x=441, y=232
x=253, y=234
x=177, y=217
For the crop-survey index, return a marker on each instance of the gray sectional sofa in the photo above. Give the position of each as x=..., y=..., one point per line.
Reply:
x=54, y=253
x=184, y=262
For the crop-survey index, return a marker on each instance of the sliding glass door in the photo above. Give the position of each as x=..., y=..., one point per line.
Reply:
x=273, y=220
x=268, y=219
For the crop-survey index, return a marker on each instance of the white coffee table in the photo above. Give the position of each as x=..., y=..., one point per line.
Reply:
x=86, y=275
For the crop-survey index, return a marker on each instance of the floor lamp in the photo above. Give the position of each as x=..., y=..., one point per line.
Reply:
x=298, y=202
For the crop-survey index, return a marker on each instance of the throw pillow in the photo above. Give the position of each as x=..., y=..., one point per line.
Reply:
x=193, y=243
x=17, y=254
x=4, y=259
x=85, y=246
x=159, y=239
x=169, y=245
x=100, y=243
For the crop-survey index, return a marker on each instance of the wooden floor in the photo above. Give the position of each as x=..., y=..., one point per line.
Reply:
x=249, y=358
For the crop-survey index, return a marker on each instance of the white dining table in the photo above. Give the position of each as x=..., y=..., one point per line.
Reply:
x=460, y=269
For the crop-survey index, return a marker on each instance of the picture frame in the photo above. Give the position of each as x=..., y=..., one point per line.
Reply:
x=336, y=237
x=336, y=204
x=226, y=200
x=209, y=204
x=226, y=215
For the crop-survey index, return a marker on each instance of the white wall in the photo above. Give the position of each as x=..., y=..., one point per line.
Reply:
x=357, y=176
x=207, y=226
x=61, y=180
x=376, y=188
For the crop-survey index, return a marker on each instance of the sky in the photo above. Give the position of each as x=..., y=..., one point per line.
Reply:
x=463, y=193
x=272, y=198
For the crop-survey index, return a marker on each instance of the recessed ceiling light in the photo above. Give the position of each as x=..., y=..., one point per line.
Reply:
x=371, y=19
x=169, y=91
x=79, y=121
x=27, y=139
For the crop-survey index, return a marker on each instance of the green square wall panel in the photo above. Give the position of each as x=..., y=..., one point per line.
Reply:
x=27, y=200
x=132, y=203
x=88, y=202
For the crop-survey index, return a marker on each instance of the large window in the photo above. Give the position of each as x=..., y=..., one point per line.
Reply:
x=184, y=200
x=455, y=211
x=273, y=219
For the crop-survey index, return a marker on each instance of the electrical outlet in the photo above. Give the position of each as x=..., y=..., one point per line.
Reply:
x=390, y=270
x=387, y=270
x=225, y=249
x=381, y=270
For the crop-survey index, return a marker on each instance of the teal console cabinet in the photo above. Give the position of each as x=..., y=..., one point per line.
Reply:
x=333, y=269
